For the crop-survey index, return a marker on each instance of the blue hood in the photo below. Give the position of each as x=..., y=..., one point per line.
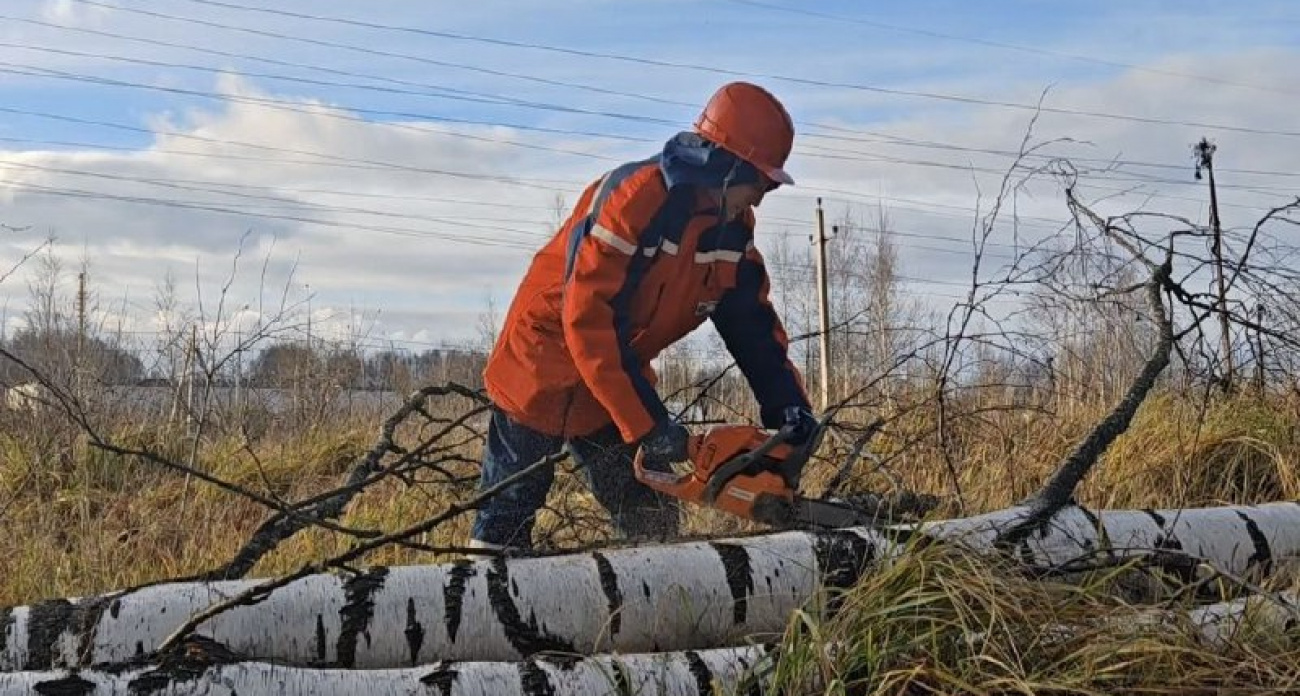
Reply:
x=689, y=159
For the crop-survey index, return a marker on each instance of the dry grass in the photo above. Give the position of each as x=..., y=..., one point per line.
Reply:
x=77, y=521
x=942, y=622
x=1178, y=452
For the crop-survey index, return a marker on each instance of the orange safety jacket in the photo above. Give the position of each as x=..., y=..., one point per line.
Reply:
x=643, y=260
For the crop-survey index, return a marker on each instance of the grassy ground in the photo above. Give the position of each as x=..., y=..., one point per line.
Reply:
x=939, y=622
x=75, y=521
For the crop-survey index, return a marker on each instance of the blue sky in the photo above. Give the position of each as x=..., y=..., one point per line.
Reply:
x=401, y=173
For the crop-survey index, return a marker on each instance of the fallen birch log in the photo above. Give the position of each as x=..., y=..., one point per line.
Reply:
x=630, y=600
x=667, y=674
x=644, y=599
x=684, y=673
x=1277, y=616
x=1239, y=539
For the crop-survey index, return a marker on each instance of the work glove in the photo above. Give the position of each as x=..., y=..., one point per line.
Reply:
x=664, y=445
x=801, y=423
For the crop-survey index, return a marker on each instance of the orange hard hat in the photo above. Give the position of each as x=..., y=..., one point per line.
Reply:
x=747, y=121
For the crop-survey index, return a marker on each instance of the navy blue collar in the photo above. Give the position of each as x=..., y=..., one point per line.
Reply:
x=690, y=159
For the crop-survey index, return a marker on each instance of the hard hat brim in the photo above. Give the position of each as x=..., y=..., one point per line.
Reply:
x=778, y=175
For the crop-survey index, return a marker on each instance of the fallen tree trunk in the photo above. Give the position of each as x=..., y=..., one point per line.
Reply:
x=678, y=673
x=643, y=599
x=203, y=670
x=1238, y=539
x=1277, y=617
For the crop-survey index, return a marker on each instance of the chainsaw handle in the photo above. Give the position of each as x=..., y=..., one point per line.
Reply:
x=791, y=466
x=729, y=470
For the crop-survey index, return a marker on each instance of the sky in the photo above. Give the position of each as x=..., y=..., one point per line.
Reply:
x=389, y=167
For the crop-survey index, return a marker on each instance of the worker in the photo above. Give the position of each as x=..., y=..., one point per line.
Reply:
x=651, y=250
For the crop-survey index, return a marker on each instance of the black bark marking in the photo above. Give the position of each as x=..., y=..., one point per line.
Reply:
x=86, y=618
x=901, y=535
x=6, y=622
x=841, y=557
x=645, y=589
x=1263, y=556
x=357, y=612
x=1165, y=540
x=622, y=684
x=443, y=678
x=566, y=663
x=139, y=648
x=71, y=685
x=150, y=682
x=1019, y=532
x=185, y=662
x=740, y=578
x=749, y=681
x=414, y=631
x=613, y=595
x=1026, y=553
x=1168, y=543
x=703, y=675
x=534, y=680
x=321, y=643
x=453, y=597
x=1103, y=537
x=45, y=622
x=525, y=636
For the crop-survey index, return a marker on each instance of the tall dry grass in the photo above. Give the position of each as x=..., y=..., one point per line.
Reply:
x=943, y=622
x=75, y=520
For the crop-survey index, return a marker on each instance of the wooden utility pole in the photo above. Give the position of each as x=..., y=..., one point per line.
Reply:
x=1205, y=160
x=823, y=308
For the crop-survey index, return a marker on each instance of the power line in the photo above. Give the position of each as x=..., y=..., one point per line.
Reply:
x=381, y=53
x=275, y=199
x=296, y=107
x=936, y=96
x=1032, y=50
x=887, y=139
x=439, y=117
x=186, y=205
x=546, y=184
x=334, y=114
x=442, y=92
x=425, y=89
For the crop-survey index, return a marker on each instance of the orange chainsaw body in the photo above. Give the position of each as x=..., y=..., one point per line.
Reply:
x=734, y=468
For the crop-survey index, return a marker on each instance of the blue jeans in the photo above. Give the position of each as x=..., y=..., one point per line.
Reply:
x=605, y=461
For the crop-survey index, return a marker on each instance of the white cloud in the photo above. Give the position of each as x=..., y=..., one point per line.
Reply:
x=361, y=208
x=368, y=217
x=72, y=14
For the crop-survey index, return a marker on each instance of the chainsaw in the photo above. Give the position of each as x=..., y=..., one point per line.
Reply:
x=752, y=473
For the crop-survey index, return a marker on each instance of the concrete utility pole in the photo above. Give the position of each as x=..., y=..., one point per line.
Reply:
x=823, y=308
x=79, y=362
x=1259, y=348
x=1205, y=160
x=81, y=309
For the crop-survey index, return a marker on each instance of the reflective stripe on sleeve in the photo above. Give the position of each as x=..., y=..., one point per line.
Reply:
x=608, y=237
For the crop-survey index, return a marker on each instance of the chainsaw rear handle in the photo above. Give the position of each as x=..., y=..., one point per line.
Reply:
x=790, y=466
